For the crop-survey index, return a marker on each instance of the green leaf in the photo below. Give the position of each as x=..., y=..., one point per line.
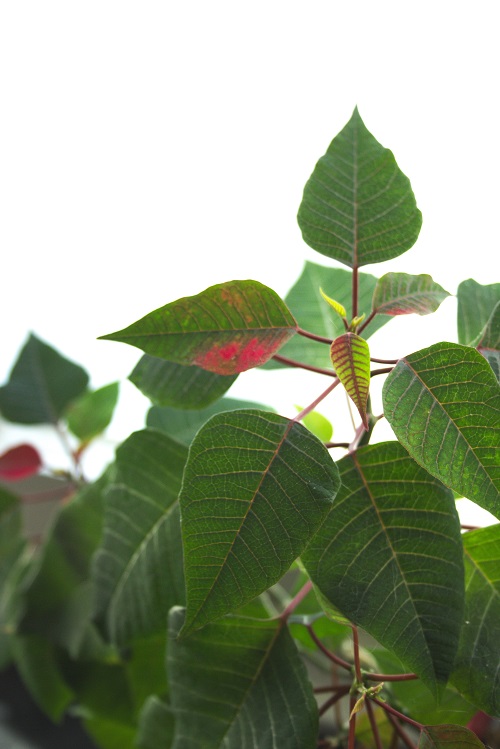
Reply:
x=317, y=424
x=89, y=416
x=448, y=737
x=183, y=425
x=389, y=557
x=443, y=403
x=12, y=566
x=488, y=343
x=256, y=487
x=350, y=357
x=358, y=206
x=227, y=329
x=402, y=294
x=475, y=305
x=108, y=734
x=307, y=306
x=36, y=661
x=240, y=684
x=58, y=596
x=339, y=308
x=476, y=672
x=156, y=725
x=178, y=386
x=41, y=385
x=138, y=568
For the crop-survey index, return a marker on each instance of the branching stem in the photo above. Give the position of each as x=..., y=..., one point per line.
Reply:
x=340, y=692
x=389, y=677
x=383, y=361
x=302, y=365
x=331, y=656
x=384, y=370
x=314, y=337
x=392, y=711
x=315, y=402
x=306, y=588
x=357, y=662
x=366, y=322
x=373, y=724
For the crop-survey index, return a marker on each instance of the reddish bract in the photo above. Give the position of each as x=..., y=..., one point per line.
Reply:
x=19, y=462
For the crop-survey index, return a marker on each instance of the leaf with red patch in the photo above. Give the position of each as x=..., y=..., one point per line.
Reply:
x=448, y=737
x=227, y=329
x=403, y=294
x=350, y=357
x=19, y=462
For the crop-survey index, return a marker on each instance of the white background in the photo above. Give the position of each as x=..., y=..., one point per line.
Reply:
x=151, y=149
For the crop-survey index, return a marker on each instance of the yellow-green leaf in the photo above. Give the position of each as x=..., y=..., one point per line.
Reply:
x=351, y=359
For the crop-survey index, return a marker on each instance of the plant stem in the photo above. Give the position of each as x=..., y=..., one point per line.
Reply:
x=357, y=662
x=314, y=337
x=315, y=402
x=359, y=433
x=384, y=370
x=383, y=361
x=392, y=711
x=366, y=322
x=401, y=732
x=471, y=527
x=355, y=290
x=341, y=692
x=351, y=744
x=306, y=588
x=74, y=457
x=336, y=444
x=331, y=656
x=302, y=365
x=373, y=724
x=389, y=677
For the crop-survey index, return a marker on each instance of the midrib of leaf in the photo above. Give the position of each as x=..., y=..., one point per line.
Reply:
x=129, y=567
x=394, y=555
x=450, y=422
x=243, y=520
x=355, y=209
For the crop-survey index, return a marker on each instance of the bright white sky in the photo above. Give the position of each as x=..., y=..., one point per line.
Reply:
x=151, y=149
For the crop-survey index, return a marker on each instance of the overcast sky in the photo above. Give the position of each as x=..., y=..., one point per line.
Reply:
x=151, y=149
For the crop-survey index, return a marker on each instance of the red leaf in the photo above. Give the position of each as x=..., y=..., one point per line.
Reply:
x=19, y=463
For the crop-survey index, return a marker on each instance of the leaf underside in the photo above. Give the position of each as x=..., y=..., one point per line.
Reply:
x=255, y=489
x=403, y=294
x=227, y=329
x=488, y=343
x=443, y=403
x=448, y=737
x=350, y=357
x=389, y=557
x=358, y=206
x=475, y=304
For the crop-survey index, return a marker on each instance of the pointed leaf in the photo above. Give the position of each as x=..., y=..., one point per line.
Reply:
x=156, y=725
x=41, y=385
x=339, y=308
x=138, y=568
x=350, y=357
x=240, y=684
x=475, y=305
x=389, y=557
x=305, y=303
x=19, y=462
x=226, y=329
x=448, y=737
x=443, y=403
x=255, y=489
x=89, y=416
x=358, y=206
x=178, y=386
x=402, y=294
x=476, y=673
x=183, y=425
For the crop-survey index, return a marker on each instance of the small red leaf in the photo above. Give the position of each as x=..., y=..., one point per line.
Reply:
x=19, y=463
x=350, y=357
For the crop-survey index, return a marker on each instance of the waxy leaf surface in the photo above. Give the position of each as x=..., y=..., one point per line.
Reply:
x=255, y=489
x=91, y=414
x=389, y=557
x=227, y=329
x=475, y=305
x=402, y=294
x=358, y=206
x=240, y=684
x=448, y=737
x=19, y=462
x=178, y=386
x=138, y=568
x=477, y=672
x=41, y=385
x=350, y=357
x=312, y=313
x=443, y=403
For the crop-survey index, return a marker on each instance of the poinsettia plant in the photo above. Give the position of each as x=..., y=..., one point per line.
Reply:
x=236, y=578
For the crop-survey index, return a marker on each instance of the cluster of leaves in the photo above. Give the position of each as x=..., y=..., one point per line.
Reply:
x=157, y=606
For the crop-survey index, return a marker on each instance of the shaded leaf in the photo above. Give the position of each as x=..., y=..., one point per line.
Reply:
x=350, y=357
x=183, y=425
x=156, y=725
x=227, y=329
x=41, y=385
x=178, y=386
x=488, y=343
x=402, y=294
x=448, y=737
x=262, y=697
x=475, y=305
x=12, y=566
x=443, y=403
x=389, y=557
x=109, y=734
x=305, y=303
x=358, y=206
x=477, y=673
x=256, y=486
x=19, y=462
x=138, y=567
x=89, y=416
